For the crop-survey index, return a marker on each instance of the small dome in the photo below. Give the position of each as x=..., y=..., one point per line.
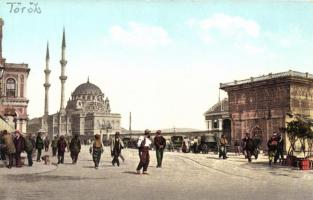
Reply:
x=87, y=89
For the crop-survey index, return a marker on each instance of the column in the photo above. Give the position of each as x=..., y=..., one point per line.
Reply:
x=210, y=125
x=220, y=124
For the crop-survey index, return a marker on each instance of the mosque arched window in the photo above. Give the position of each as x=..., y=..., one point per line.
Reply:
x=10, y=87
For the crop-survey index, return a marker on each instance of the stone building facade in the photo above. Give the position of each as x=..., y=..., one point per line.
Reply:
x=13, y=96
x=218, y=119
x=260, y=105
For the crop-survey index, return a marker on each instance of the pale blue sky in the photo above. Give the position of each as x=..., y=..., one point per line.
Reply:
x=161, y=60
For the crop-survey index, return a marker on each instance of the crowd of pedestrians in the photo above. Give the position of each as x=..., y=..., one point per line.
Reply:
x=12, y=145
x=275, y=147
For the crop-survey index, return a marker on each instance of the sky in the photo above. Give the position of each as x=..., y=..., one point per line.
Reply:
x=161, y=60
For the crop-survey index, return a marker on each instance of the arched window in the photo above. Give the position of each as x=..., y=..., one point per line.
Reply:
x=10, y=87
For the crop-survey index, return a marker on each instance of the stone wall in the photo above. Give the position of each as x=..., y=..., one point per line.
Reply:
x=261, y=107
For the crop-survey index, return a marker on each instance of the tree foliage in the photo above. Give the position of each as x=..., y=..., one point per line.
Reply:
x=298, y=130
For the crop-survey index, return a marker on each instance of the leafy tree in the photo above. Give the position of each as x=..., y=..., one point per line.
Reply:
x=299, y=130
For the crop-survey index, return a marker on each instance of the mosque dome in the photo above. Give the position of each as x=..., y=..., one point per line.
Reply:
x=87, y=89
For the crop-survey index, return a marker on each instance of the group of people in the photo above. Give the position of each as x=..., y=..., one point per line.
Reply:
x=144, y=144
x=59, y=146
x=275, y=148
x=250, y=147
x=12, y=145
x=96, y=149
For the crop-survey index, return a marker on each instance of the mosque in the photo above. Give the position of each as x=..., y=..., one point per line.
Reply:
x=87, y=112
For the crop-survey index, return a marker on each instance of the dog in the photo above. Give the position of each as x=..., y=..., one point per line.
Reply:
x=46, y=159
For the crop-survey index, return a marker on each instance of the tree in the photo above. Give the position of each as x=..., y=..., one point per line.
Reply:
x=292, y=129
x=299, y=130
x=310, y=143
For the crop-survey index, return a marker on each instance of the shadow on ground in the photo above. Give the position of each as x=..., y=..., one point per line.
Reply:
x=38, y=178
x=130, y=172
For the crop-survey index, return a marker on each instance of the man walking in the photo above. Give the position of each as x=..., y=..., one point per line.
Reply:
x=39, y=146
x=223, y=142
x=47, y=143
x=75, y=147
x=9, y=147
x=280, y=149
x=54, y=146
x=272, y=148
x=248, y=146
x=29, y=147
x=116, y=148
x=96, y=150
x=160, y=144
x=61, y=149
x=19, y=143
x=144, y=144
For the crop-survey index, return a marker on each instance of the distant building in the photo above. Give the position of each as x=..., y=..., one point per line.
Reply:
x=13, y=96
x=218, y=119
x=87, y=112
x=260, y=105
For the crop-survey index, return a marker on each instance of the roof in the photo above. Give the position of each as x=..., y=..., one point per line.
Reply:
x=270, y=76
x=87, y=88
x=221, y=106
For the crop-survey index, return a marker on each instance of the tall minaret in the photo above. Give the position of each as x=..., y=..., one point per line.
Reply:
x=2, y=60
x=1, y=25
x=47, y=84
x=63, y=77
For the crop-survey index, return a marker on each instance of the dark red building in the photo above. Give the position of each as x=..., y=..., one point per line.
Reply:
x=259, y=105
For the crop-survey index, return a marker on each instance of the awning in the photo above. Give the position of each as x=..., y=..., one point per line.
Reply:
x=5, y=126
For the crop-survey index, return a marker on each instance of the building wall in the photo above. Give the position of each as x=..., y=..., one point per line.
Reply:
x=14, y=108
x=262, y=107
x=301, y=98
x=258, y=109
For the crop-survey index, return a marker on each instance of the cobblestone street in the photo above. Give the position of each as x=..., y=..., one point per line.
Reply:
x=183, y=176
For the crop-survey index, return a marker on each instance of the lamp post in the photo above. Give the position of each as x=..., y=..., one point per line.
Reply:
x=107, y=126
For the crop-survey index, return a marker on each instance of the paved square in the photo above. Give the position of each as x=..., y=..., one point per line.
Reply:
x=183, y=176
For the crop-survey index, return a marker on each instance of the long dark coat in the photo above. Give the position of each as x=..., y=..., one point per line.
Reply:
x=19, y=143
x=62, y=145
x=8, y=141
x=75, y=145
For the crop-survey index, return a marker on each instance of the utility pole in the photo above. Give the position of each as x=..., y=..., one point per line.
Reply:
x=130, y=122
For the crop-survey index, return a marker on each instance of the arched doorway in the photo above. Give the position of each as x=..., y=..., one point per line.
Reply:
x=257, y=135
x=227, y=129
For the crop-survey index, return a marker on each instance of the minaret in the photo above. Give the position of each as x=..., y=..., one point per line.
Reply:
x=2, y=60
x=47, y=84
x=1, y=25
x=63, y=77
